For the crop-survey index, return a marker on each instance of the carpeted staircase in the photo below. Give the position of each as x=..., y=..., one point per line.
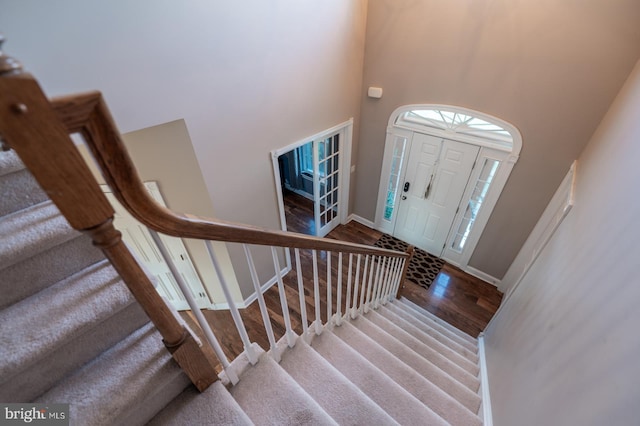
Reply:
x=71, y=332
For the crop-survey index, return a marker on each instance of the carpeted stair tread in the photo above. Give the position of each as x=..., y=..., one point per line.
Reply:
x=215, y=406
x=442, y=326
x=340, y=398
x=30, y=231
x=41, y=376
x=437, y=399
x=364, y=334
x=401, y=405
x=270, y=396
x=422, y=343
x=394, y=311
x=46, y=321
x=429, y=353
x=46, y=268
x=10, y=163
x=137, y=372
x=19, y=190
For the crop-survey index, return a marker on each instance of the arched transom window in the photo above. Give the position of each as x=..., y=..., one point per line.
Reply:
x=448, y=120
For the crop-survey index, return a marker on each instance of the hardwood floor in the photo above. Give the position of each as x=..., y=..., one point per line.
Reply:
x=460, y=299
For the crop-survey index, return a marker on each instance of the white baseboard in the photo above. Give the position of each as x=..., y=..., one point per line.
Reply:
x=487, y=416
x=264, y=287
x=362, y=220
x=482, y=275
x=253, y=296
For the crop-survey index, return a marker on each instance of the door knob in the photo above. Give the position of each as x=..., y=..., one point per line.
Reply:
x=404, y=197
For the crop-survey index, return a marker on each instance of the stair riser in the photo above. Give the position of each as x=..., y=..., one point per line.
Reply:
x=456, y=335
x=18, y=191
x=429, y=331
x=31, y=231
x=46, y=269
x=416, y=339
x=33, y=382
x=427, y=352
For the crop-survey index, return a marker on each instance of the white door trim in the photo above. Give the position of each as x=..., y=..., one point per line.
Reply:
x=503, y=148
x=346, y=131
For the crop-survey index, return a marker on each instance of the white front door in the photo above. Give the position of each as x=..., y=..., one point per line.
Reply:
x=138, y=238
x=436, y=176
x=326, y=183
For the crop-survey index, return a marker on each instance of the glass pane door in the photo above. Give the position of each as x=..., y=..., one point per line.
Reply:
x=327, y=184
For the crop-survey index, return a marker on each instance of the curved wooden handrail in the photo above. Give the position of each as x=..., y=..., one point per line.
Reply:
x=88, y=114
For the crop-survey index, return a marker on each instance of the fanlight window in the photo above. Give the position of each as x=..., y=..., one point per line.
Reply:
x=449, y=121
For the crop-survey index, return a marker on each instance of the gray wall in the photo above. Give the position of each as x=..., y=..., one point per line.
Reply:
x=246, y=77
x=564, y=349
x=550, y=67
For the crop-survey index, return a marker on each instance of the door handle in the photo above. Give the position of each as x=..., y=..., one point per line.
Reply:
x=404, y=197
x=428, y=191
x=406, y=186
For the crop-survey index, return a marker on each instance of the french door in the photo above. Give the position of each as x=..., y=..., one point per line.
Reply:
x=326, y=183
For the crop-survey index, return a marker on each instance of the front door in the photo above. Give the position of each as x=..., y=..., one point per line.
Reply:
x=436, y=177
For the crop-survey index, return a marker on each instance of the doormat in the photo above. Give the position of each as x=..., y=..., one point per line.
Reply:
x=423, y=268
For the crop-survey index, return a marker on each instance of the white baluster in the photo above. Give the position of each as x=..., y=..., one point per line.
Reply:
x=186, y=291
x=235, y=314
x=263, y=306
x=376, y=287
x=363, y=290
x=329, y=298
x=316, y=292
x=388, y=281
x=369, y=285
x=380, y=282
x=398, y=281
x=303, y=303
x=349, y=275
x=291, y=338
x=339, y=290
x=354, y=308
x=383, y=280
x=394, y=278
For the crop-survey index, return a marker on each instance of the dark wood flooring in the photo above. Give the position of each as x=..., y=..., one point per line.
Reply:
x=460, y=299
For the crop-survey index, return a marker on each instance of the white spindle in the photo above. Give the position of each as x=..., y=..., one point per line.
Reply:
x=363, y=290
x=262, y=304
x=380, y=282
x=291, y=338
x=316, y=292
x=388, y=282
x=349, y=275
x=355, y=289
x=376, y=286
x=235, y=314
x=329, y=298
x=363, y=307
x=394, y=279
x=186, y=291
x=383, y=280
x=398, y=282
x=303, y=303
x=339, y=291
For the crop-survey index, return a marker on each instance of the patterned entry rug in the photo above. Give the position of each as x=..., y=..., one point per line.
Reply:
x=423, y=267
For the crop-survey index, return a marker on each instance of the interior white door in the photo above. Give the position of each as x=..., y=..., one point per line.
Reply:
x=138, y=238
x=437, y=173
x=326, y=183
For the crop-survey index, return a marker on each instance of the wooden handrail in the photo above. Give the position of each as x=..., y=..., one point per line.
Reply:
x=31, y=127
x=88, y=114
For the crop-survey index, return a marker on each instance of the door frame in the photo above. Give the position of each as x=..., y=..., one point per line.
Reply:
x=506, y=153
x=345, y=129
